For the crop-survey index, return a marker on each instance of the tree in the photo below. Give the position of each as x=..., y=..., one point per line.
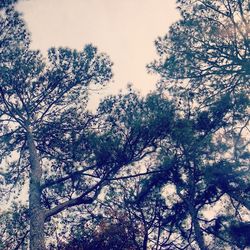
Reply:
x=121, y=134
x=132, y=128
x=204, y=65
x=206, y=53
x=49, y=141
x=183, y=158
x=32, y=94
x=187, y=168
x=195, y=149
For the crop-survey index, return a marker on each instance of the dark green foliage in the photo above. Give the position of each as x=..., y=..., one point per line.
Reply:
x=208, y=50
x=202, y=63
x=142, y=172
x=37, y=98
x=14, y=228
x=7, y=3
x=240, y=234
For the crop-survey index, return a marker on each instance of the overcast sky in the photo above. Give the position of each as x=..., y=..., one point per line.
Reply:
x=124, y=29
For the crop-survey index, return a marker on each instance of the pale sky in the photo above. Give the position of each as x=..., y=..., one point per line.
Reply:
x=124, y=29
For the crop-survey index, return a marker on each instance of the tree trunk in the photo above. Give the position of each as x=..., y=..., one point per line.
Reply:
x=197, y=229
x=36, y=211
x=145, y=241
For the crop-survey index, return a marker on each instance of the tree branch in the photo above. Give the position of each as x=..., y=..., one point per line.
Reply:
x=71, y=175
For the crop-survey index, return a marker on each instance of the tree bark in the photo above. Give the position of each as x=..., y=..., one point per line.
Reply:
x=197, y=229
x=37, y=217
x=145, y=241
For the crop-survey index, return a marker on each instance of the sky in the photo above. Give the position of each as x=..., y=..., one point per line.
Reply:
x=124, y=29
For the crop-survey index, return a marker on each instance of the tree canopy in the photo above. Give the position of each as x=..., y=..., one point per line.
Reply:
x=166, y=171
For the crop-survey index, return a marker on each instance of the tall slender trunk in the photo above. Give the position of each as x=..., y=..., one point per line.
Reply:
x=197, y=231
x=36, y=211
x=199, y=237
x=145, y=241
